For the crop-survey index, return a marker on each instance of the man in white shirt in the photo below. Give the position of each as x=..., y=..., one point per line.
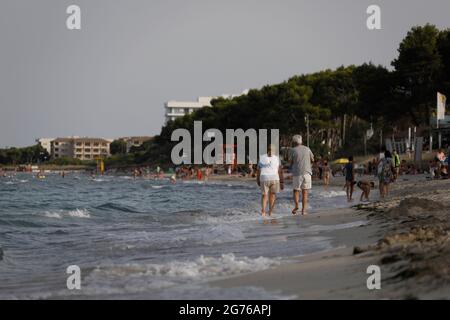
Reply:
x=270, y=179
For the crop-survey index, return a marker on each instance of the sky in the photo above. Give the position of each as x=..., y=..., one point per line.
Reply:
x=112, y=77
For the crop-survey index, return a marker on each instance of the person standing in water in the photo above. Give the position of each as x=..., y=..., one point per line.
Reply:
x=301, y=158
x=269, y=178
x=199, y=174
x=349, y=171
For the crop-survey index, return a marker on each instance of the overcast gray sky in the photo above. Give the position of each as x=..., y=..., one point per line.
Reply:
x=112, y=77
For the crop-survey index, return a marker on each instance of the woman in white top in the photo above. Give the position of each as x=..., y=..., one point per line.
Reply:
x=270, y=179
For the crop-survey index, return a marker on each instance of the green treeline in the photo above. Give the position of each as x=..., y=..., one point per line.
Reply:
x=14, y=156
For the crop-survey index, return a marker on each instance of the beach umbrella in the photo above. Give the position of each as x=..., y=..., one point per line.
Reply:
x=341, y=161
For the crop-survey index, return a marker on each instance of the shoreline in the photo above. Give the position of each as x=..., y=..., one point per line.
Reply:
x=407, y=236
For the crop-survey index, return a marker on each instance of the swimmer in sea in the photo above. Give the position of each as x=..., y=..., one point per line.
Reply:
x=173, y=179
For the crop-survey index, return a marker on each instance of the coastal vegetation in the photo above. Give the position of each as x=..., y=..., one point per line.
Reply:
x=33, y=154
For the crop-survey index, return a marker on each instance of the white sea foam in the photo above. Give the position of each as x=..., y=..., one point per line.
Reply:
x=79, y=213
x=329, y=193
x=157, y=187
x=136, y=278
x=59, y=214
x=203, y=268
x=55, y=215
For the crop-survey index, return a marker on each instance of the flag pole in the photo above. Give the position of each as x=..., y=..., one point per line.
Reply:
x=439, y=133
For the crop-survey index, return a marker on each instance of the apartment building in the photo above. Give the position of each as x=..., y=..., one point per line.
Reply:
x=62, y=148
x=46, y=143
x=177, y=109
x=82, y=148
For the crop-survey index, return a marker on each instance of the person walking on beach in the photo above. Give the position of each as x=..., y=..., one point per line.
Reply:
x=270, y=179
x=386, y=175
x=301, y=158
x=349, y=171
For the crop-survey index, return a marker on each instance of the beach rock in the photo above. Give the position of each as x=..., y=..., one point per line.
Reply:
x=358, y=250
x=414, y=207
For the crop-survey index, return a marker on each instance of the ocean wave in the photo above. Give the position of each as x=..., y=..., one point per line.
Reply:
x=77, y=213
x=203, y=268
x=110, y=280
x=55, y=215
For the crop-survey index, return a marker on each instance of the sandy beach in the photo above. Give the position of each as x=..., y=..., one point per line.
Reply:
x=406, y=235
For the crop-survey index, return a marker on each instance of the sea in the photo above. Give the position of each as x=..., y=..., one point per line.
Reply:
x=146, y=239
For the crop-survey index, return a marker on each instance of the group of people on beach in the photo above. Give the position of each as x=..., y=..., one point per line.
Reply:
x=270, y=177
x=386, y=170
x=439, y=165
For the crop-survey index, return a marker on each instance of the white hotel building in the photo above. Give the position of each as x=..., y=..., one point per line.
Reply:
x=177, y=109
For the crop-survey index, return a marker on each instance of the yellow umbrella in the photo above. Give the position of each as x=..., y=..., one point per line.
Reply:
x=341, y=161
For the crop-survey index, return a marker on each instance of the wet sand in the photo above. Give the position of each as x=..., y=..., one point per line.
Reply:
x=407, y=235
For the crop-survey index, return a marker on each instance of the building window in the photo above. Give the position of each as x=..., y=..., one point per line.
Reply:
x=96, y=144
x=96, y=150
x=87, y=156
x=87, y=150
x=79, y=144
x=103, y=144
